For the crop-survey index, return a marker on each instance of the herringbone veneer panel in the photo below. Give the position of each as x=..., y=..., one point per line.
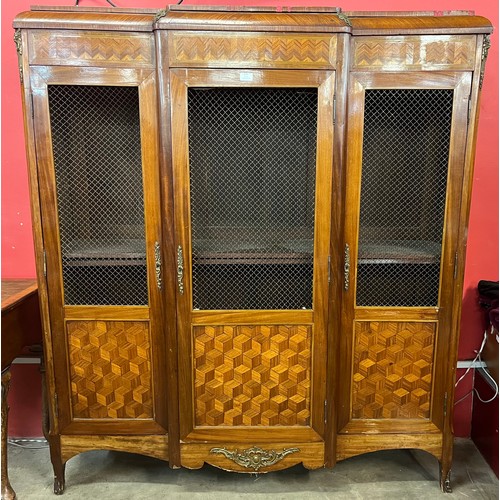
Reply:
x=224, y=49
x=252, y=375
x=414, y=52
x=110, y=369
x=91, y=48
x=392, y=369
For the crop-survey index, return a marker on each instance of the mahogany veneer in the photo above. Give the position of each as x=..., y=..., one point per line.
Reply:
x=165, y=197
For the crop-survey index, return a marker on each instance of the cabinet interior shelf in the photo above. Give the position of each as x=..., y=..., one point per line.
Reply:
x=251, y=258
x=213, y=252
x=116, y=262
x=84, y=253
x=399, y=252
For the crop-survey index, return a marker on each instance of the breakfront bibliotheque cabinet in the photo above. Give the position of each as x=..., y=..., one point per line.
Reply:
x=250, y=228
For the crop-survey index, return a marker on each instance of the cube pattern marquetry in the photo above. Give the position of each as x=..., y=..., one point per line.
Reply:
x=252, y=375
x=392, y=372
x=110, y=369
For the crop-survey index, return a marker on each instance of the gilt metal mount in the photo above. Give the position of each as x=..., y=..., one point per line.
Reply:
x=347, y=266
x=19, y=48
x=344, y=18
x=158, y=265
x=484, y=56
x=18, y=42
x=161, y=13
x=445, y=480
x=255, y=458
x=180, y=270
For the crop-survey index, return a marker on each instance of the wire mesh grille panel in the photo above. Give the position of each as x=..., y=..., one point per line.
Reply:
x=252, y=171
x=97, y=157
x=406, y=143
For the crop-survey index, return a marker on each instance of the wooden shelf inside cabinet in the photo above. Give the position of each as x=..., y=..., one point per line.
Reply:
x=211, y=252
x=399, y=252
x=115, y=262
x=89, y=253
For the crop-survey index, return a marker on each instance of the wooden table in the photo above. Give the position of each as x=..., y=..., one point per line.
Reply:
x=21, y=326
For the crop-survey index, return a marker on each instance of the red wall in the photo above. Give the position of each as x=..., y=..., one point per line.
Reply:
x=482, y=253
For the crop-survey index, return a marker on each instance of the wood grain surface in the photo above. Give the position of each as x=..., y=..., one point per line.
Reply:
x=414, y=53
x=392, y=369
x=91, y=48
x=311, y=455
x=110, y=369
x=332, y=381
x=14, y=290
x=251, y=50
x=89, y=20
x=252, y=375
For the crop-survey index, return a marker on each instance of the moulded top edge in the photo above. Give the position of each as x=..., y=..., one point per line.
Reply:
x=105, y=21
x=251, y=8
x=325, y=22
x=314, y=9
x=429, y=25
x=407, y=13
x=256, y=21
x=83, y=8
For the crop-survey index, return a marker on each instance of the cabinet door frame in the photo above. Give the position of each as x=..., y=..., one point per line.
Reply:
x=441, y=315
x=324, y=81
x=145, y=81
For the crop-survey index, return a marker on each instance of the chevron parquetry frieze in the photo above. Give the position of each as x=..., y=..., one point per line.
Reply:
x=414, y=52
x=316, y=51
x=91, y=49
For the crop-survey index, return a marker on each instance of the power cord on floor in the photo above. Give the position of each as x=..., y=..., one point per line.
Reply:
x=474, y=390
x=29, y=443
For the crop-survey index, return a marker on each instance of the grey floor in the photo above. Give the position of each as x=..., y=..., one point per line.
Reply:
x=395, y=474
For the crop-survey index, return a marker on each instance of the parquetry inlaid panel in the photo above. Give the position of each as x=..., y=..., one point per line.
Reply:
x=89, y=48
x=252, y=375
x=251, y=50
x=414, y=52
x=392, y=369
x=110, y=369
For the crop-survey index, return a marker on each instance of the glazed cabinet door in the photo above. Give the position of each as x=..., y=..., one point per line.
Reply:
x=252, y=162
x=97, y=155
x=406, y=150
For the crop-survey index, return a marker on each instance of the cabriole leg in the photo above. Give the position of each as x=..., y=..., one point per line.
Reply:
x=7, y=491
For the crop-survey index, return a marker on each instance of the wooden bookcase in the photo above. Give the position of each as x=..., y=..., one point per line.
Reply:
x=250, y=228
